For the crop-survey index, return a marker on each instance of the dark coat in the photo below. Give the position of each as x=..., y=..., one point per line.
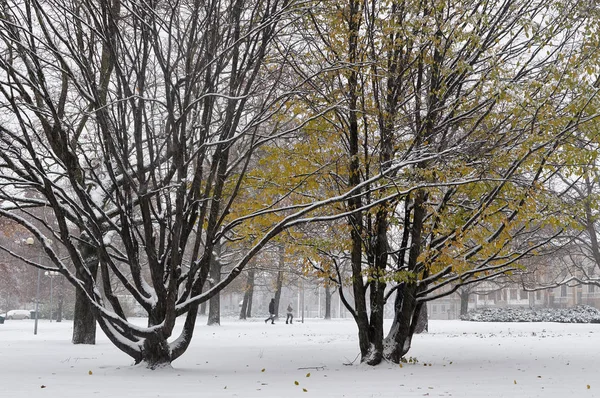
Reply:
x=272, y=307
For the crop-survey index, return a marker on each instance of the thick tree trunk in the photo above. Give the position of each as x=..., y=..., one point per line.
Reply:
x=464, y=302
x=154, y=350
x=379, y=255
x=360, y=304
x=398, y=341
x=328, y=294
x=156, y=353
x=202, y=307
x=244, y=306
x=406, y=309
x=84, y=321
x=214, y=310
x=375, y=352
x=422, y=321
x=355, y=220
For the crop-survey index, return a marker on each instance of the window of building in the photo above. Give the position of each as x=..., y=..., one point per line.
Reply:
x=591, y=288
x=538, y=295
x=434, y=309
x=443, y=308
x=524, y=295
x=563, y=291
x=513, y=294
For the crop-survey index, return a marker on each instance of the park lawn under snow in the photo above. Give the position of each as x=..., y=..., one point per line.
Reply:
x=251, y=359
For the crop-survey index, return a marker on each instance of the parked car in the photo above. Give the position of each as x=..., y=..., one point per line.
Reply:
x=18, y=314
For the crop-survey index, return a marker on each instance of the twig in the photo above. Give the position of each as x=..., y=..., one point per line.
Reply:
x=352, y=363
x=313, y=367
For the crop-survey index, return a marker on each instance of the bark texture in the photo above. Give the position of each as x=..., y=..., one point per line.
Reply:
x=84, y=321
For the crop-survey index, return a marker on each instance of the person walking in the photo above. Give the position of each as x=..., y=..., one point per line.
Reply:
x=290, y=314
x=271, y=312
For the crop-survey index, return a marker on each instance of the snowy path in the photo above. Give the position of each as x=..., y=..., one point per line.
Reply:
x=458, y=359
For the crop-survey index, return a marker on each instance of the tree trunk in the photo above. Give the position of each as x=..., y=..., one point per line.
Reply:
x=355, y=219
x=202, y=308
x=244, y=306
x=246, y=310
x=379, y=255
x=84, y=321
x=61, y=299
x=328, y=294
x=406, y=309
x=279, y=282
x=422, y=321
x=398, y=341
x=464, y=302
x=250, y=293
x=156, y=353
x=59, y=310
x=214, y=310
x=360, y=304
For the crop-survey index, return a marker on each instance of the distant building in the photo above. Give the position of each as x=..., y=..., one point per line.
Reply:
x=513, y=295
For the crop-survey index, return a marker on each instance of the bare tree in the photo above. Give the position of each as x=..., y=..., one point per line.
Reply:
x=134, y=124
x=575, y=259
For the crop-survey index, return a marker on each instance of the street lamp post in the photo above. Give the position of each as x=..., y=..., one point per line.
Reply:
x=51, y=274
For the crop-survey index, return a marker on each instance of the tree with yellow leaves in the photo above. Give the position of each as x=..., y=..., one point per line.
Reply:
x=477, y=99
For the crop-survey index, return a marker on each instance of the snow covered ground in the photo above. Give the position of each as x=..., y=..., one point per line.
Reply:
x=251, y=359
